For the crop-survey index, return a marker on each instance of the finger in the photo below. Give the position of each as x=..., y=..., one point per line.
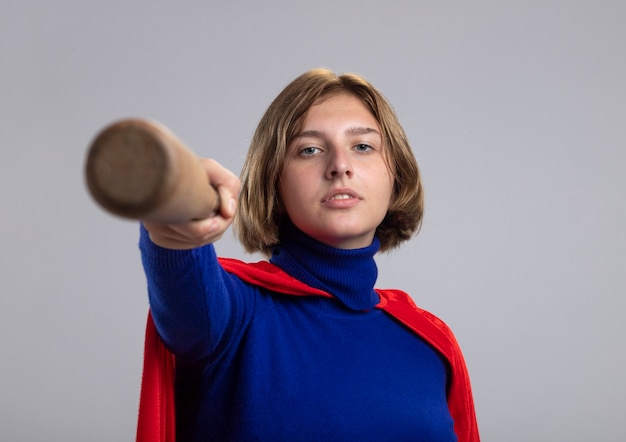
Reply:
x=228, y=205
x=227, y=184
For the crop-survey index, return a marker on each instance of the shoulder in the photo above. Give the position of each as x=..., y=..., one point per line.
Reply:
x=237, y=266
x=267, y=275
x=424, y=323
x=393, y=299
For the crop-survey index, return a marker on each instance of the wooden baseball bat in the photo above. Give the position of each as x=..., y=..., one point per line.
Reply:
x=139, y=169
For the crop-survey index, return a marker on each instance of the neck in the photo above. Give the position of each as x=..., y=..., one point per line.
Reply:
x=349, y=275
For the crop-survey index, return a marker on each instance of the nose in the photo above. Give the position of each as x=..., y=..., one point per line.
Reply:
x=339, y=164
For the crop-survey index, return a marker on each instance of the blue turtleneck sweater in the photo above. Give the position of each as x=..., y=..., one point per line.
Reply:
x=256, y=365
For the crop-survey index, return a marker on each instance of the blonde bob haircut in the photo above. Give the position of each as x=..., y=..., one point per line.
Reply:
x=260, y=216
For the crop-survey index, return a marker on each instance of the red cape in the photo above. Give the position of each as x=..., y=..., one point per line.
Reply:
x=156, y=408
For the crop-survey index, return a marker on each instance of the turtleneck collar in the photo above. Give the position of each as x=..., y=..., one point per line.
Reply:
x=349, y=275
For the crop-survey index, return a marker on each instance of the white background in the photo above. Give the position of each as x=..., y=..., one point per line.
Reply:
x=517, y=114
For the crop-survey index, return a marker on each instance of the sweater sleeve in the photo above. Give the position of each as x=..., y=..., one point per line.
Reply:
x=198, y=308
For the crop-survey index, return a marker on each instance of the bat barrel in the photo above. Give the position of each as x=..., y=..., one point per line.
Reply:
x=138, y=169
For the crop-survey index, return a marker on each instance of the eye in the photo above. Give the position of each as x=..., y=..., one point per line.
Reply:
x=362, y=147
x=309, y=151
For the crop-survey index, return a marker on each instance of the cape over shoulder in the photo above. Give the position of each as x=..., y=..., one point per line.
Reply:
x=156, y=409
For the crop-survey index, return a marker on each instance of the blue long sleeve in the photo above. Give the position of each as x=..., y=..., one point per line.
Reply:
x=252, y=364
x=197, y=307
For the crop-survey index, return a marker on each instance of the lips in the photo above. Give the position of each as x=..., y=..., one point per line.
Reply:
x=340, y=194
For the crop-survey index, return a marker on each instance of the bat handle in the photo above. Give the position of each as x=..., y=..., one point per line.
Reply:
x=138, y=169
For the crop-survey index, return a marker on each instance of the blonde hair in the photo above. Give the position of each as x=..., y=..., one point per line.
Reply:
x=259, y=216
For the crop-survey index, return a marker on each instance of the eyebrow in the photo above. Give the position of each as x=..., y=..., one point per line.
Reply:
x=350, y=131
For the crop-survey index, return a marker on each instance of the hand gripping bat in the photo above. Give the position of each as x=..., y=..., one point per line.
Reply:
x=138, y=169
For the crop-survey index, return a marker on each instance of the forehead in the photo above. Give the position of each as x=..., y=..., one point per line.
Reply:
x=339, y=113
x=342, y=105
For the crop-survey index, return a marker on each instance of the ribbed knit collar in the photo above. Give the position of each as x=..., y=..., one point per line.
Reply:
x=349, y=275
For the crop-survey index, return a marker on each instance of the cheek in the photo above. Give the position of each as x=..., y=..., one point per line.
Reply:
x=288, y=188
x=388, y=189
x=294, y=180
x=386, y=180
x=391, y=182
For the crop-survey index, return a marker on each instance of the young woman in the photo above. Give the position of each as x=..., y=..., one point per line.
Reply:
x=302, y=346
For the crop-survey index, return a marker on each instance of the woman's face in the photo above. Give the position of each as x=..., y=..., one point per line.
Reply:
x=335, y=185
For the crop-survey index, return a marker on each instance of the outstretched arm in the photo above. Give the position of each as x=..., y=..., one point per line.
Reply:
x=196, y=305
